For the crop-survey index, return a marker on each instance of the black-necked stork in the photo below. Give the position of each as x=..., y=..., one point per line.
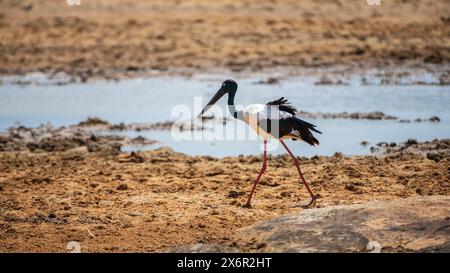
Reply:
x=276, y=119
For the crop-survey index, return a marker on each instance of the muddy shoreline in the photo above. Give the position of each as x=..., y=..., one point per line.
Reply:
x=343, y=74
x=96, y=134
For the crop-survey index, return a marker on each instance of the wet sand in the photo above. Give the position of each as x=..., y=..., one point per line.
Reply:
x=111, y=201
x=114, y=39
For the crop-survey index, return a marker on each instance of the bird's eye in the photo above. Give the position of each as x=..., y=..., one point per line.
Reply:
x=223, y=84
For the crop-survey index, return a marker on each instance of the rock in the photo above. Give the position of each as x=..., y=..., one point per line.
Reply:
x=436, y=157
x=350, y=187
x=269, y=81
x=75, y=154
x=39, y=180
x=435, y=119
x=122, y=187
x=419, y=224
x=202, y=248
x=445, y=248
x=272, y=81
x=411, y=141
x=435, y=58
x=285, y=194
x=133, y=157
x=92, y=121
x=234, y=194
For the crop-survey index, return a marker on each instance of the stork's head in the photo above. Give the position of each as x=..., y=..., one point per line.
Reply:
x=228, y=87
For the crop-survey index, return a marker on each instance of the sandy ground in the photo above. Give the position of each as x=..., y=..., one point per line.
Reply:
x=86, y=190
x=69, y=186
x=112, y=38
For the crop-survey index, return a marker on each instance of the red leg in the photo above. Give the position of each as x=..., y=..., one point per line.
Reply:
x=297, y=164
x=263, y=169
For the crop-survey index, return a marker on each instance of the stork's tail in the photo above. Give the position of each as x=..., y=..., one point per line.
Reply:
x=303, y=130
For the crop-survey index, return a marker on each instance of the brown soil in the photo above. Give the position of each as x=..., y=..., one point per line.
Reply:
x=62, y=184
x=151, y=201
x=112, y=38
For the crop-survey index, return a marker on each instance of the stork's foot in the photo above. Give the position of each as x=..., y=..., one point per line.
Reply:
x=247, y=205
x=312, y=203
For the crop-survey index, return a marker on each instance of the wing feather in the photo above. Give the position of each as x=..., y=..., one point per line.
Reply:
x=284, y=105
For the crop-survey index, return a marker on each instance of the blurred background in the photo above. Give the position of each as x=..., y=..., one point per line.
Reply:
x=341, y=63
x=97, y=35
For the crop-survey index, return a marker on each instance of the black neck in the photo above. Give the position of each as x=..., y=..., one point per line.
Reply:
x=231, y=98
x=231, y=107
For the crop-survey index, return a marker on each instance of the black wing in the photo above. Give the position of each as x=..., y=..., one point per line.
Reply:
x=283, y=105
x=293, y=126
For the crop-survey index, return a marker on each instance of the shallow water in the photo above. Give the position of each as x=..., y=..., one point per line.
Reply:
x=338, y=136
x=152, y=100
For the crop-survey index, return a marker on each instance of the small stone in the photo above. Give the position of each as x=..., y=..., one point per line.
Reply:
x=122, y=187
x=350, y=187
x=285, y=194
x=233, y=194
x=272, y=81
x=261, y=245
x=435, y=119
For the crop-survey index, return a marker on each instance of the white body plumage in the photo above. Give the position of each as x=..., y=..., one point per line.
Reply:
x=257, y=115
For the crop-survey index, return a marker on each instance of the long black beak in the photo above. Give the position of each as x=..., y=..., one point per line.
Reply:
x=216, y=97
